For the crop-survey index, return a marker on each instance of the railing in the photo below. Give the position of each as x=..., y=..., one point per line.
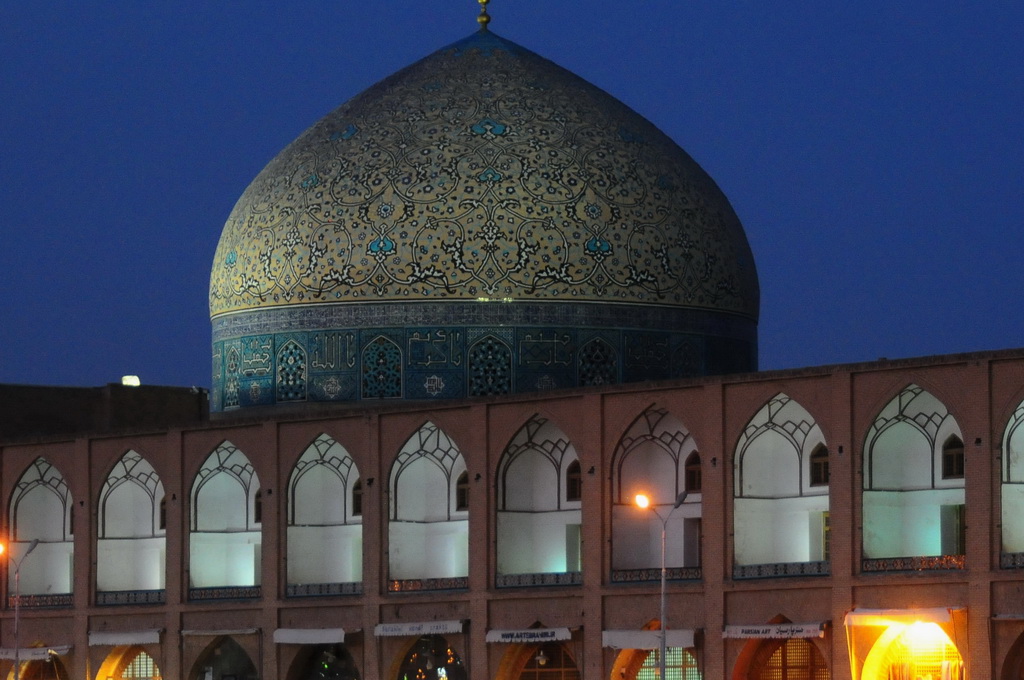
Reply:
x=225, y=593
x=781, y=569
x=564, y=578
x=43, y=601
x=123, y=597
x=412, y=585
x=644, y=575
x=925, y=563
x=1011, y=561
x=323, y=589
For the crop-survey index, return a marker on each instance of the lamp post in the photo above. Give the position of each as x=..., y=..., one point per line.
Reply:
x=644, y=502
x=17, y=603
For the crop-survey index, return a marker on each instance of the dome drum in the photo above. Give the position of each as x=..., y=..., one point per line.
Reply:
x=456, y=350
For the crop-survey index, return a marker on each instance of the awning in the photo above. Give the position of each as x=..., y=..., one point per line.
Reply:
x=223, y=631
x=528, y=635
x=309, y=636
x=418, y=628
x=34, y=653
x=887, y=617
x=646, y=639
x=776, y=630
x=126, y=637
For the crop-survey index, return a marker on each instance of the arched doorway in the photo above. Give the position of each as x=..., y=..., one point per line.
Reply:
x=48, y=669
x=644, y=664
x=224, y=658
x=792, y=659
x=548, y=661
x=432, y=658
x=324, y=662
x=909, y=651
x=129, y=663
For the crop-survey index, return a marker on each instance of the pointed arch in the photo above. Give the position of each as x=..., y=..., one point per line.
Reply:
x=651, y=458
x=291, y=372
x=597, y=363
x=1012, y=490
x=225, y=537
x=773, y=449
x=780, y=518
x=539, y=662
x=428, y=537
x=41, y=510
x=224, y=656
x=538, y=527
x=428, y=656
x=490, y=367
x=782, y=658
x=129, y=663
x=910, y=510
x=382, y=369
x=131, y=543
x=324, y=661
x=324, y=532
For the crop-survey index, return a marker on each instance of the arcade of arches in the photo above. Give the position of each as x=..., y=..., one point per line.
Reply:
x=818, y=524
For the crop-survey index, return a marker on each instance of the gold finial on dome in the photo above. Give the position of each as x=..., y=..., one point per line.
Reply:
x=484, y=18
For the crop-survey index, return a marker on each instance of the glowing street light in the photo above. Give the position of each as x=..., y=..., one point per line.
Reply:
x=17, y=601
x=643, y=502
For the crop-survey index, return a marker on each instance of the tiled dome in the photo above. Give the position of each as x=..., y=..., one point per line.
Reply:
x=481, y=222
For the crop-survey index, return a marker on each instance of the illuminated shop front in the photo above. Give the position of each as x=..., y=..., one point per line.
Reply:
x=907, y=644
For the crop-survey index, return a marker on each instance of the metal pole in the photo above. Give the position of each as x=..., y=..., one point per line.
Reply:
x=17, y=607
x=662, y=661
x=664, y=624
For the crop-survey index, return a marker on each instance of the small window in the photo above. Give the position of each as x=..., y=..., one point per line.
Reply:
x=257, y=511
x=462, y=492
x=819, y=466
x=357, y=498
x=953, y=458
x=692, y=474
x=573, y=482
x=163, y=513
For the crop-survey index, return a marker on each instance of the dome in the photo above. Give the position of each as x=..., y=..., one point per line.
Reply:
x=481, y=222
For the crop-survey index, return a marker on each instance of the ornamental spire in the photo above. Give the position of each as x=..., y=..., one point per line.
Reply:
x=484, y=18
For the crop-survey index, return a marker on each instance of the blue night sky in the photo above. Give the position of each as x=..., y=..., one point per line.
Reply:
x=873, y=151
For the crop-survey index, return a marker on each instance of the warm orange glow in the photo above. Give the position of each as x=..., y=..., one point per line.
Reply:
x=642, y=501
x=923, y=636
x=3, y=548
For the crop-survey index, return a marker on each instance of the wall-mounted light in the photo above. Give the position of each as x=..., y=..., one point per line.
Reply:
x=369, y=481
x=542, y=658
x=591, y=470
x=477, y=477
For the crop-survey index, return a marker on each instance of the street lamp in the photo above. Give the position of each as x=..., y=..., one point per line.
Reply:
x=17, y=602
x=643, y=502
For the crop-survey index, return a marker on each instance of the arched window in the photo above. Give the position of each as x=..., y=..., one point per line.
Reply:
x=679, y=663
x=573, y=482
x=462, y=492
x=432, y=657
x=142, y=667
x=819, y=466
x=357, y=498
x=551, y=662
x=692, y=480
x=953, y=458
x=794, y=658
